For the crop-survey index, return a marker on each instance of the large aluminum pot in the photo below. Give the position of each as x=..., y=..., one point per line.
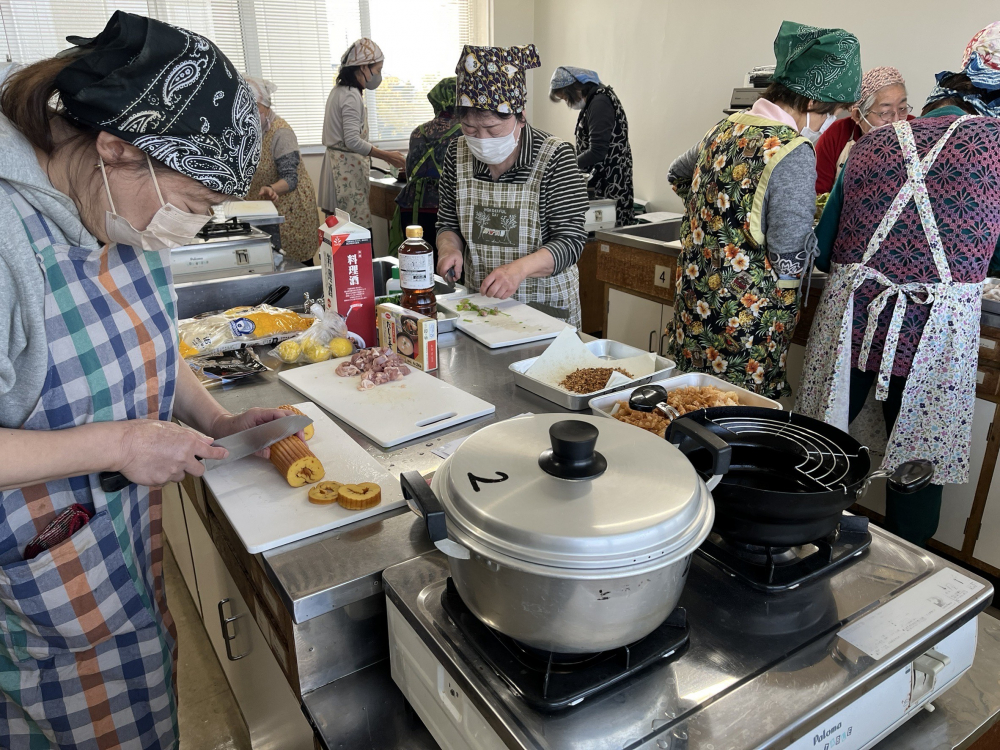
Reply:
x=562, y=547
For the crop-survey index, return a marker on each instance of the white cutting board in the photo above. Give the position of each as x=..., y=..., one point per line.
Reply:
x=267, y=513
x=389, y=414
x=519, y=325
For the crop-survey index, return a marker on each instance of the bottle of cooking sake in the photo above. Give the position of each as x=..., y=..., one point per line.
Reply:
x=416, y=272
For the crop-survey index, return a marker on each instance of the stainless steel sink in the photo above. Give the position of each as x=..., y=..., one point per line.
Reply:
x=645, y=236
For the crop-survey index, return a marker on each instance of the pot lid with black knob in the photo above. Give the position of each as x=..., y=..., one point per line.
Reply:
x=575, y=492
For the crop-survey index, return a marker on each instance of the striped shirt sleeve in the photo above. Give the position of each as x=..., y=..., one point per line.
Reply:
x=447, y=218
x=563, y=206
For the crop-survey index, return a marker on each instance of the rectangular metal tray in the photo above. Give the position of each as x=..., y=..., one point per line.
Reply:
x=446, y=320
x=602, y=405
x=603, y=348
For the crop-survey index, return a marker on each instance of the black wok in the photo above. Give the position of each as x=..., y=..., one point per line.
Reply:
x=790, y=477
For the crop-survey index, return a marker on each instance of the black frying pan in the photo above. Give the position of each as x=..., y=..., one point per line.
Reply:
x=790, y=477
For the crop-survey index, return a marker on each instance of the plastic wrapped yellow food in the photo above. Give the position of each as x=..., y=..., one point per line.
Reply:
x=240, y=326
x=289, y=351
x=341, y=347
x=316, y=352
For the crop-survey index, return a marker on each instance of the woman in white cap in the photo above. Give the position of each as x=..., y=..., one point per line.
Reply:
x=281, y=177
x=347, y=162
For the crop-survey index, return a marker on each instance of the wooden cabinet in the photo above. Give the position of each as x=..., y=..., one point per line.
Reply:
x=987, y=545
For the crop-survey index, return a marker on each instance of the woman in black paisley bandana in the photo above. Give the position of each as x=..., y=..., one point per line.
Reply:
x=113, y=153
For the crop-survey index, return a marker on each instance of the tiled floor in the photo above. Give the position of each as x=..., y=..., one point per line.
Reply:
x=209, y=717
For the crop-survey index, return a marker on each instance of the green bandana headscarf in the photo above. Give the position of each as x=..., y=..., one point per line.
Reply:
x=821, y=64
x=443, y=95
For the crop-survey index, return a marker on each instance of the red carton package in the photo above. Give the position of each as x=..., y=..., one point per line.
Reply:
x=348, y=284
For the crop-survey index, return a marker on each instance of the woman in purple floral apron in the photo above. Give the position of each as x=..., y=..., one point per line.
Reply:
x=151, y=126
x=912, y=223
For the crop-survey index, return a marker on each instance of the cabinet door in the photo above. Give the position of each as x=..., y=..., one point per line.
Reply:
x=956, y=500
x=175, y=531
x=271, y=711
x=987, y=547
x=633, y=320
x=793, y=372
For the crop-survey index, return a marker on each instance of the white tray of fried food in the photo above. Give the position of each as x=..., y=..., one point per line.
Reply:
x=686, y=393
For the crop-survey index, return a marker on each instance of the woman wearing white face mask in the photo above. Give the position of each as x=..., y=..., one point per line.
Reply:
x=881, y=101
x=512, y=201
x=347, y=162
x=602, y=147
x=108, y=161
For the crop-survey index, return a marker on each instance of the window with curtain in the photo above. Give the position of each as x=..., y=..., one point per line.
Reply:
x=297, y=44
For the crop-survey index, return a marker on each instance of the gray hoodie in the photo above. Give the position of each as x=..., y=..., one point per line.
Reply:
x=23, y=347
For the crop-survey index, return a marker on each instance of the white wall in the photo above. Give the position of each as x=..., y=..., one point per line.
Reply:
x=674, y=63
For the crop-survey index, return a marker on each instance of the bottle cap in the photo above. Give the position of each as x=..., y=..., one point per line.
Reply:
x=395, y=272
x=414, y=230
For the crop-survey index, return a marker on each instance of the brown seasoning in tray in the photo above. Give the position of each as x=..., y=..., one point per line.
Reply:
x=590, y=379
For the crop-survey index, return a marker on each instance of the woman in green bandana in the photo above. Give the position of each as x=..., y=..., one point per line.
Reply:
x=749, y=194
x=417, y=203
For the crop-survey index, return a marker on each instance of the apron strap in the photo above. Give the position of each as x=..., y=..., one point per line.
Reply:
x=906, y=192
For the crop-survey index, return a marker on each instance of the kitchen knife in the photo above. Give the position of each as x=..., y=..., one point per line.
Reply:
x=240, y=445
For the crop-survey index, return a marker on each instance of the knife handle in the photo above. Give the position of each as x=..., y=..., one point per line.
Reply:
x=114, y=481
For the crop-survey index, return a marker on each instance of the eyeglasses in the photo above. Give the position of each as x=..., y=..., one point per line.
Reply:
x=888, y=115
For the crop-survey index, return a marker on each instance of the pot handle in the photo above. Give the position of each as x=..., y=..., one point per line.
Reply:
x=422, y=500
x=720, y=451
x=911, y=476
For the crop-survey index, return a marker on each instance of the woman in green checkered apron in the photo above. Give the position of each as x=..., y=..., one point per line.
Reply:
x=512, y=201
x=90, y=375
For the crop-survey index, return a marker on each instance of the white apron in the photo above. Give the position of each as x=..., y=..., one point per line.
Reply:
x=935, y=421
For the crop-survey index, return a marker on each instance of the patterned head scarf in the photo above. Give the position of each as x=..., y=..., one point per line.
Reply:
x=821, y=64
x=567, y=75
x=492, y=78
x=362, y=52
x=170, y=93
x=877, y=79
x=443, y=95
x=262, y=89
x=981, y=61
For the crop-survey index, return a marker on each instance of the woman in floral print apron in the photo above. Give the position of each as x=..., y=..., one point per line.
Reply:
x=511, y=200
x=87, y=645
x=913, y=223
x=749, y=199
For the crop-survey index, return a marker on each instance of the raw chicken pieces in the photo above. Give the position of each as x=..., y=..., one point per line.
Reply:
x=376, y=366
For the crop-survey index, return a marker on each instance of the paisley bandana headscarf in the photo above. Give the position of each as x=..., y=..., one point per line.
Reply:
x=492, y=78
x=821, y=64
x=442, y=96
x=981, y=63
x=170, y=93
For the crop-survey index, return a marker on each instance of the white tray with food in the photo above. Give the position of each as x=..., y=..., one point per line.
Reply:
x=688, y=392
x=403, y=408
x=267, y=511
x=570, y=373
x=497, y=323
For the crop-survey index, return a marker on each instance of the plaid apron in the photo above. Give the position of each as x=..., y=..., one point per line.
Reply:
x=501, y=222
x=87, y=646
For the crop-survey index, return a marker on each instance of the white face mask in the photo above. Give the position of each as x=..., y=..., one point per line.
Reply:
x=578, y=105
x=493, y=150
x=169, y=227
x=813, y=135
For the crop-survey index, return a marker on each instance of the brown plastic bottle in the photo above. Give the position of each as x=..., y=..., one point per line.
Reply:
x=416, y=273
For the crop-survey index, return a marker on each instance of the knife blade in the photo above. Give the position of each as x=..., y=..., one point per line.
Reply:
x=242, y=444
x=239, y=445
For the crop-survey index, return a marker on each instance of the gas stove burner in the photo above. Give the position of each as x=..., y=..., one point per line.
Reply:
x=231, y=228
x=551, y=681
x=783, y=568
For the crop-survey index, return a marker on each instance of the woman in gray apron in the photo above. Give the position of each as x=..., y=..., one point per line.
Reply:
x=512, y=201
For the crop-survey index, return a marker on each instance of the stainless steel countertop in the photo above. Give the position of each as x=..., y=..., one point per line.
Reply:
x=328, y=570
